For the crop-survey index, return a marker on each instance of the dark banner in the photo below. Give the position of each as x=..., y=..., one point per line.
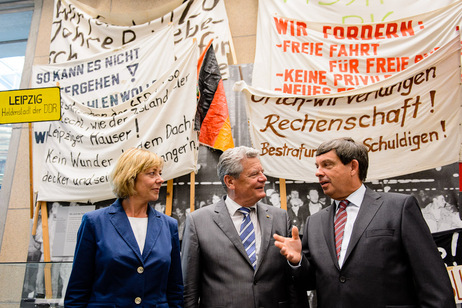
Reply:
x=450, y=246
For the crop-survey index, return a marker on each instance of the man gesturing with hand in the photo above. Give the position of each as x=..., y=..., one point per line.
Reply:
x=368, y=249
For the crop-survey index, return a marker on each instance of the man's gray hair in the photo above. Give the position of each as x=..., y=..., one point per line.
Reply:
x=230, y=162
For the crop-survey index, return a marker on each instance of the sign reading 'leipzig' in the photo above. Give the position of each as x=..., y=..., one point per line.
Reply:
x=30, y=105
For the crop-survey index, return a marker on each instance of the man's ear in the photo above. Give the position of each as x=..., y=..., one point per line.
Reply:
x=229, y=181
x=354, y=167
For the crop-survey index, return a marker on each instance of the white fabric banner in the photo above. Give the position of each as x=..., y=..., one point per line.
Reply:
x=409, y=122
x=75, y=34
x=78, y=153
x=104, y=80
x=110, y=78
x=309, y=58
x=335, y=12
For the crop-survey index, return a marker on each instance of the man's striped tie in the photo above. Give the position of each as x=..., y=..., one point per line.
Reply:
x=339, y=225
x=247, y=235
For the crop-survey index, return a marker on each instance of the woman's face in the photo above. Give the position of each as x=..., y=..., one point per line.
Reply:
x=147, y=184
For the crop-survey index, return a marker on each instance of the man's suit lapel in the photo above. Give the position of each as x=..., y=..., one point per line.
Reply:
x=265, y=220
x=328, y=231
x=224, y=222
x=120, y=222
x=371, y=204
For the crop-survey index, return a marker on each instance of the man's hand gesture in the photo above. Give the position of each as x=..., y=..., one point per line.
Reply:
x=291, y=247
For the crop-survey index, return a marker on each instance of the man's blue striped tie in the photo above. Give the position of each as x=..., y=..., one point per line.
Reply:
x=247, y=235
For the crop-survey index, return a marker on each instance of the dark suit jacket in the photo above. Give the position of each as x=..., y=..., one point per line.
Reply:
x=391, y=260
x=217, y=271
x=109, y=270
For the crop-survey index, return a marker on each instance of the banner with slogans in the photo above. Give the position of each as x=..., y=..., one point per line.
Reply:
x=455, y=275
x=335, y=12
x=78, y=153
x=309, y=58
x=113, y=77
x=408, y=122
x=449, y=244
x=75, y=34
x=104, y=80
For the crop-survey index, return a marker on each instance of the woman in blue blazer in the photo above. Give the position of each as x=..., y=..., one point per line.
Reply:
x=128, y=254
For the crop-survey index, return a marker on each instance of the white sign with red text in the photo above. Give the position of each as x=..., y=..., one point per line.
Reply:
x=309, y=58
x=297, y=32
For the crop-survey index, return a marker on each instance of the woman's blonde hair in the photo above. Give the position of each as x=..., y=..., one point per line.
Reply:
x=131, y=163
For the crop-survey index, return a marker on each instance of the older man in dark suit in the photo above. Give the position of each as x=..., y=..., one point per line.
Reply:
x=368, y=249
x=228, y=257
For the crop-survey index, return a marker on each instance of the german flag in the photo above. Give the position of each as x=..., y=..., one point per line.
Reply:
x=212, y=115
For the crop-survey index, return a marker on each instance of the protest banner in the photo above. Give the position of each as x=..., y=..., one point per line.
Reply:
x=111, y=77
x=408, y=122
x=450, y=246
x=338, y=12
x=76, y=34
x=78, y=153
x=104, y=80
x=309, y=58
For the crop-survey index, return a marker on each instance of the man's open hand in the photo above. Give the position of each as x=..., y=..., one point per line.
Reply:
x=291, y=247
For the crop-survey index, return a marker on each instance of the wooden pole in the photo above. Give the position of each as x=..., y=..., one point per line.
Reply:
x=31, y=174
x=34, y=225
x=45, y=234
x=46, y=250
x=47, y=276
x=168, y=206
x=283, y=193
x=192, y=191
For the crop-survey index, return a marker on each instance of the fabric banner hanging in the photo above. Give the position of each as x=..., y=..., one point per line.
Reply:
x=104, y=80
x=77, y=153
x=335, y=13
x=76, y=34
x=409, y=122
x=112, y=77
x=313, y=58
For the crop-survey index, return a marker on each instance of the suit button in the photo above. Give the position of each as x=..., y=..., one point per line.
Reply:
x=140, y=270
x=342, y=279
x=138, y=300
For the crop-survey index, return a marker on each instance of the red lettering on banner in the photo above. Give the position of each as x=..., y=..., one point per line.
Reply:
x=368, y=32
x=455, y=274
x=420, y=57
x=344, y=66
x=307, y=48
x=386, y=65
x=317, y=77
x=304, y=89
x=354, y=80
x=296, y=28
x=353, y=50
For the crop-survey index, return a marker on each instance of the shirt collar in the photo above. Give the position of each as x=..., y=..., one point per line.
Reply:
x=356, y=198
x=233, y=206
